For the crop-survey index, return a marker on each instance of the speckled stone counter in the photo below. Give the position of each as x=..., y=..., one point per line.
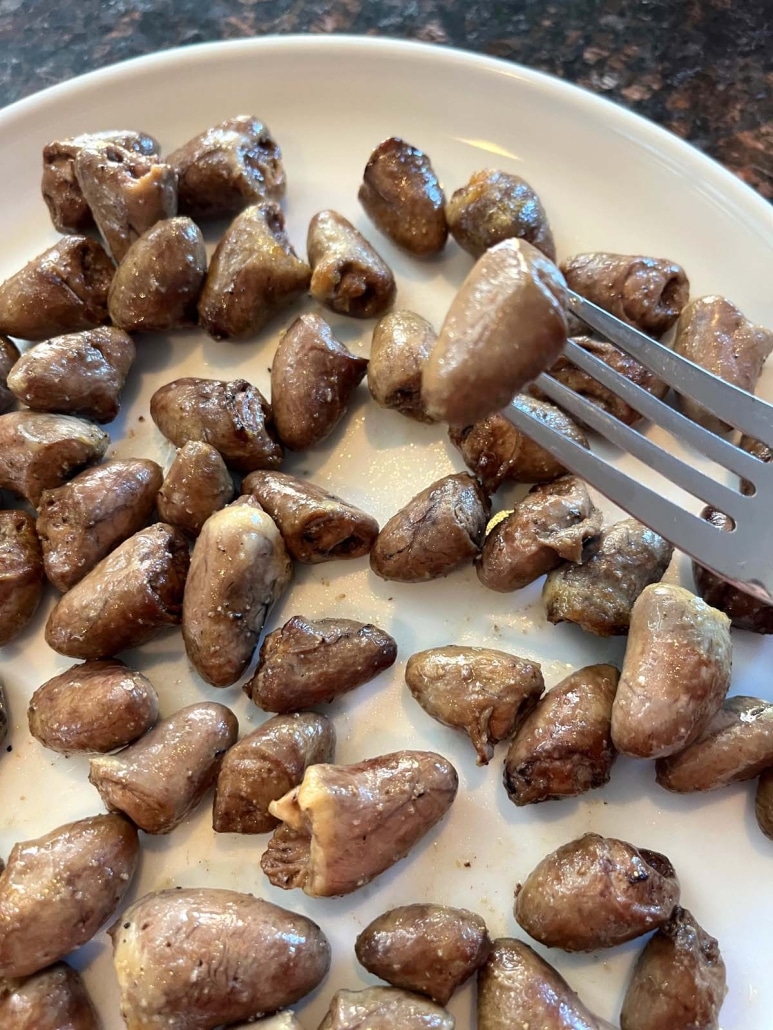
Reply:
x=701, y=68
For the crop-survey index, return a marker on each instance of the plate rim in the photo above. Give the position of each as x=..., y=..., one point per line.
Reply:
x=715, y=178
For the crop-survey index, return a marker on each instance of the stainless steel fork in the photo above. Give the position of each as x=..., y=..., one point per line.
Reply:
x=744, y=555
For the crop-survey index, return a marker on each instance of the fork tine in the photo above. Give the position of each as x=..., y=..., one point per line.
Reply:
x=728, y=402
x=623, y=436
x=687, y=532
x=715, y=447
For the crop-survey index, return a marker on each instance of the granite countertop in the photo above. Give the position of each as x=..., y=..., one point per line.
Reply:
x=701, y=68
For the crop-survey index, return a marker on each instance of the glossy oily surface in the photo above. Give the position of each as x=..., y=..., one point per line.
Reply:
x=630, y=189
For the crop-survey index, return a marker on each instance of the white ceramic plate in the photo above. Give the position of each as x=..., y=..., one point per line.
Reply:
x=609, y=181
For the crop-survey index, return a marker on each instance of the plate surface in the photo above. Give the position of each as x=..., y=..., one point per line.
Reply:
x=609, y=181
